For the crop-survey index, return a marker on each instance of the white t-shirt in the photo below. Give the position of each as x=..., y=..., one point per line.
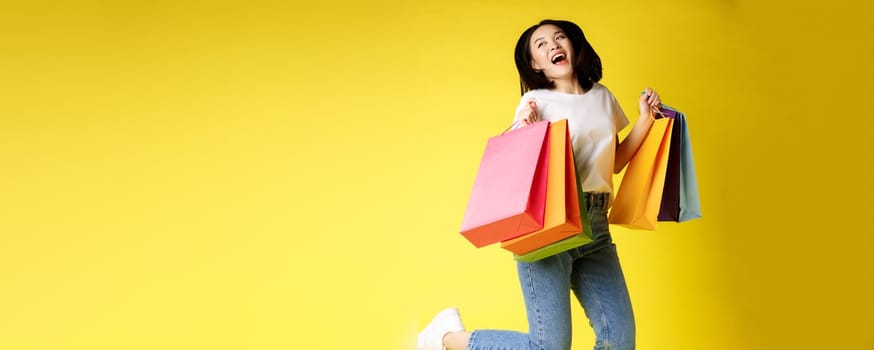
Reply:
x=594, y=118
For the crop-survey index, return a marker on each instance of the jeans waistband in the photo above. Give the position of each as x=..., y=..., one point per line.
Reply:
x=597, y=199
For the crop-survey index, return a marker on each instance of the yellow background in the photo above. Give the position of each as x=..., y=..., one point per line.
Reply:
x=256, y=175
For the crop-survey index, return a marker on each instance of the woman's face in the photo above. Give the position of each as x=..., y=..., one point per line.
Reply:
x=552, y=52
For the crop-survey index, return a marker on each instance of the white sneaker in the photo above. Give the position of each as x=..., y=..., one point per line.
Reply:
x=447, y=320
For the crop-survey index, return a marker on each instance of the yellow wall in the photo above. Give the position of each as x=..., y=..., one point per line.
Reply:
x=254, y=175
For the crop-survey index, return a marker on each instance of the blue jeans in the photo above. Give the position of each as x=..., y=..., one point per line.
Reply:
x=593, y=273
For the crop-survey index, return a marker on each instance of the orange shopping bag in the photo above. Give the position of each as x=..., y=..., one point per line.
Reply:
x=638, y=200
x=509, y=192
x=562, y=214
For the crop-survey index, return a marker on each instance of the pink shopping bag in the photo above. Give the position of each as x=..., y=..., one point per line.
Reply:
x=509, y=193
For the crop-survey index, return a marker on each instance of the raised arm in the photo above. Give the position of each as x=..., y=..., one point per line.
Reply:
x=626, y=149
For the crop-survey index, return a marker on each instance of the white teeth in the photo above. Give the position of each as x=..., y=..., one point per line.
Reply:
x=557, y=58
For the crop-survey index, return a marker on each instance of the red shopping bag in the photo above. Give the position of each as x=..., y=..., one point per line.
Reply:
x=509, y=192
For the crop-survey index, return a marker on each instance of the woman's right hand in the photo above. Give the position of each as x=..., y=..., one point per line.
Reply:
x=529, y=113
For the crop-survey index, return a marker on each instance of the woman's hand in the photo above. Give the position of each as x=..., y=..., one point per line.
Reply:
x=628, y=147
x=649, y=100
x=529, y=113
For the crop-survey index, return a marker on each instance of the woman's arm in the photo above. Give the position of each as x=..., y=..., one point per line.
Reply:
x=628, y=147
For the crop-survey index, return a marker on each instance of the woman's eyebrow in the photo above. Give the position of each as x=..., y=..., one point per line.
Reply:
x=541, y=38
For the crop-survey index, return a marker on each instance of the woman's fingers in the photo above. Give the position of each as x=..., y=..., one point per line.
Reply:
x=653, y=98
x=533, y=105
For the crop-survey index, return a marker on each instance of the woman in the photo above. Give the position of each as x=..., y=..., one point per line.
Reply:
x=559, y=72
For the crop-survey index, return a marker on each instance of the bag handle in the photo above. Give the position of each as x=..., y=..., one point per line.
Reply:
x=510, y=127
x=656, y=110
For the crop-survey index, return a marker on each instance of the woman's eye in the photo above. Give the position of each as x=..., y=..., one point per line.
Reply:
x=539, y=45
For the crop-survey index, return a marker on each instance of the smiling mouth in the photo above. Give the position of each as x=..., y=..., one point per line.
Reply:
x=559, y=58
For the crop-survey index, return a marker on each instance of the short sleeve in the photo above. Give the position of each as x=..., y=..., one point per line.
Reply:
x=620, y=121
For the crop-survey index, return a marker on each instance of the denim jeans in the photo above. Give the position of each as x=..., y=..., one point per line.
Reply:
x=593, y=273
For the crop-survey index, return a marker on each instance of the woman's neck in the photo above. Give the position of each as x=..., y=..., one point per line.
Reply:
x=568, y=86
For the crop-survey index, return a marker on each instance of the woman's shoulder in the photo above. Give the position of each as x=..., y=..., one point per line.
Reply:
x=546, y=94
x=536, y=93
x=600, y=88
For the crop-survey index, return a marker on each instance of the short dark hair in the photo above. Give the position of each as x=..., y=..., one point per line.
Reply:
x=587, y=64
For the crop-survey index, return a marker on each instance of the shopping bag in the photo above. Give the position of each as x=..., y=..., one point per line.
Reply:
x=690, y=204
x=509, y=192
x=562, y=214
x=680, y=197
x=574, y=241
x=638, y=199
x=670, y=204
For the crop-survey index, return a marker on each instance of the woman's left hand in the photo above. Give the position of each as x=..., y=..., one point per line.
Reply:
x=648, y=100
